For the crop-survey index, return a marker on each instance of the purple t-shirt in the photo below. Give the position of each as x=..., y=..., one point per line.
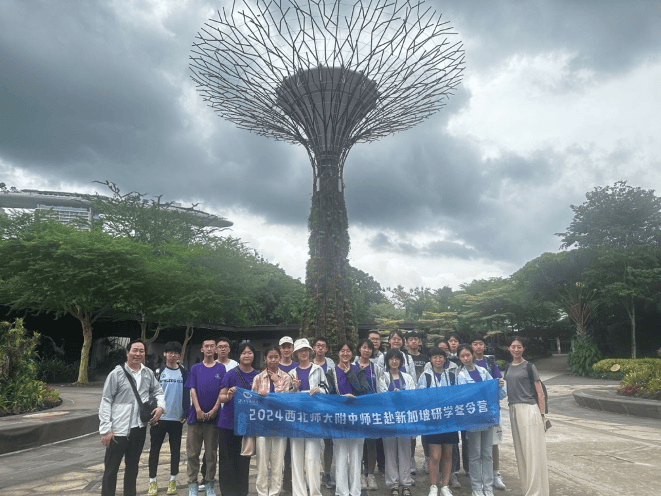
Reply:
x=475, y=375
x=287, y=368
x=206, y=382
x=343, y=386
x=495, y=373
x=303, y=376
x=232, y=379
x=397, y=383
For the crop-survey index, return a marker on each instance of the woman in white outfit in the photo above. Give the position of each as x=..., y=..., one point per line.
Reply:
x=307, y=377
x=480, y=442
x=397, y=450
x=270, y=450
x=396, y=342
x=527, y=421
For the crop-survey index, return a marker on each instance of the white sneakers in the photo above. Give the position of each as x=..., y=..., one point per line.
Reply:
x=433, y=490
x=477, y=493
x=488, y=492
x=498, y=481
x=445, y=491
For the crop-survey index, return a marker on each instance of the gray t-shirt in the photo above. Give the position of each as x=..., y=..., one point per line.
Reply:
x=519, y=389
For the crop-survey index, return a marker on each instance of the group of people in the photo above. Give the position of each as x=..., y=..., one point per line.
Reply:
x=204, y=399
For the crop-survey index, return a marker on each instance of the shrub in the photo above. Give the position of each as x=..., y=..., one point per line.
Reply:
x=56, y=370
x=19, y=388
x=583, y=354
x=639, y=377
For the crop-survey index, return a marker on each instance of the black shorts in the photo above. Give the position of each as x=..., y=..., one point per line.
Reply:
x=445, y=438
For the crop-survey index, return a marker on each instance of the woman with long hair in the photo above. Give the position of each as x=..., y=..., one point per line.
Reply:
x=526, y=404
x=364, y=365
x=440, y=445
x=397, y=449
x=270, y=450
x=234, y=468
x=342, y=380
x=480, y=442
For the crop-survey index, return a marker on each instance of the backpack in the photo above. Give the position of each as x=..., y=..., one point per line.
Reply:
x=531, y=378
x=451, y=375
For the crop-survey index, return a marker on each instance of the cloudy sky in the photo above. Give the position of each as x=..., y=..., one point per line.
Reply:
x=558, y=97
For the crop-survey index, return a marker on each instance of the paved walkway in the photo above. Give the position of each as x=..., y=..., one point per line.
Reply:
x=75, y=467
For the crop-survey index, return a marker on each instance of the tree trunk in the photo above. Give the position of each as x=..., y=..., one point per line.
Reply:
x=632, y=315
x=189, y=334
x=328, y=310
x=83, y=370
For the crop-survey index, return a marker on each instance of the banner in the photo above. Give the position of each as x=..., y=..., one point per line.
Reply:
x=393, y=414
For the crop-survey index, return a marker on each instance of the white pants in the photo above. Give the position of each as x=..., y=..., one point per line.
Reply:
x=397, y=451
x=348, y=458
x=270, y=462
x=305, y=466
x=529, y=441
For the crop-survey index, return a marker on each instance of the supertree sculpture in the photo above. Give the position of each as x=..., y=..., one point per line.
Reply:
x=327, y=75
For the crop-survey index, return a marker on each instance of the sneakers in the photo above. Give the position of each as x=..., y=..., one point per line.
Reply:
x=394, y=491
x=172, y=488
x=406, y=491
x=445, y=491
x=328, y=481
x=202, y=486
x=363, y=482
x=498, y=481
x=488, y=492
x=371, y=483
x=433, y=490
x=477, y=493
x=209, y=489
x=153, y=489
x=425, y=465
x=454, y=482
x=414, y=467
x=192, y=489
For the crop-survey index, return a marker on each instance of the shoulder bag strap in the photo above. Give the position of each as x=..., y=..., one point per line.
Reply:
x=238, y=372
x=132, y=383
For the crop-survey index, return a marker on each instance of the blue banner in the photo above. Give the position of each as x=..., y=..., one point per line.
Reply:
x=393, y=414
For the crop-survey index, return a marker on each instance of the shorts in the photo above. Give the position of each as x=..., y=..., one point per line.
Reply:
x=445, y=438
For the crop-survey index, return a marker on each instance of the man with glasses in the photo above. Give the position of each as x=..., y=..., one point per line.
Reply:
x=375, y=337
x=177, y=401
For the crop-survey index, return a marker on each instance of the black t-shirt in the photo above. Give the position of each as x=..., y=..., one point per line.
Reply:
x=419, y=361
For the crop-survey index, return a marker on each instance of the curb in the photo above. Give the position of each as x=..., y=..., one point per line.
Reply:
x=624, y=406
x=46, y=427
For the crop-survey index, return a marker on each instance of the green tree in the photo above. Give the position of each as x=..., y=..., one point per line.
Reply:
x=153, y=221
x=617, y=216
x=628, y=277
x=622, y=225
x=55, y=268
x=366, y=292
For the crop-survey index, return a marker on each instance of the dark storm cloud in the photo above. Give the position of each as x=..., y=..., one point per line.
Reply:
x=91, y=92
x=382, y=242
x=608, y=36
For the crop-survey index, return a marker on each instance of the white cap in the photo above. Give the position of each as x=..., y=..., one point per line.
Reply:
x=286, y=339
x=300, y=344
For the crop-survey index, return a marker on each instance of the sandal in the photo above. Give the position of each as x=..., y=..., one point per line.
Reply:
x=394, y=491
x=406, y=491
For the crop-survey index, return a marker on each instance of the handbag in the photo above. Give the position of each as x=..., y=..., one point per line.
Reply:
x=247, y=442
x=145, y=409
